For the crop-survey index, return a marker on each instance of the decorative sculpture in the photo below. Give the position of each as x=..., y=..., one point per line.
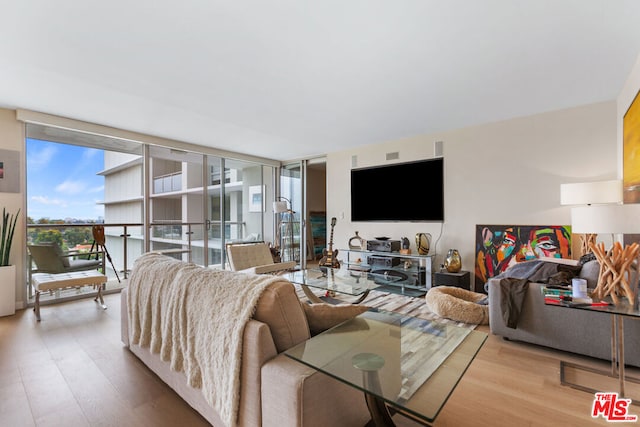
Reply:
x=357, y=242
x=405, y=246
x=423, y=241
x=453, y=262
x=585, y=242
x=615, y=272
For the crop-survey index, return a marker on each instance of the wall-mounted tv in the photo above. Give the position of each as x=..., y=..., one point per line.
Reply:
x=411, y=191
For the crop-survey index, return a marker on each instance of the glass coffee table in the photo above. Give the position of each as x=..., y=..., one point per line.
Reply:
x=343, y=280
x=404, y=363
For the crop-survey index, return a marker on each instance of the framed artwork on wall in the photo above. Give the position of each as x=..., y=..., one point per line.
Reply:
x=9, y=171
x=631, y=152
x=500, y=246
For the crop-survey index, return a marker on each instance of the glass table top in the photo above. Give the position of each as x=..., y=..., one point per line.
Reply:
x=606, y=305
x=410, y=363
x=341, y=280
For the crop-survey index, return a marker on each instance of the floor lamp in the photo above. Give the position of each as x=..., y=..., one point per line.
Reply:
x=588, y=194
x=618, y=266
x=281, y=208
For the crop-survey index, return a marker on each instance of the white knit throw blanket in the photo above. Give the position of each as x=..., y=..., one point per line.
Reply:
x=195, y=318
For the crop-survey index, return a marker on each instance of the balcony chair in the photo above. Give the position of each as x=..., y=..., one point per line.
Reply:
x=254, y=258
x=50, y=258
x=56, y=270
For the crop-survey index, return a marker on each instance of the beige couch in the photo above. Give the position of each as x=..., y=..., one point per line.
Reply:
x=275, y=390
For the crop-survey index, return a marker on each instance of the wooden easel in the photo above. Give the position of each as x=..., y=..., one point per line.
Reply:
x=99, y=244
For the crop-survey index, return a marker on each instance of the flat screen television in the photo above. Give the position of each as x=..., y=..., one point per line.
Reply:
x=412, y=191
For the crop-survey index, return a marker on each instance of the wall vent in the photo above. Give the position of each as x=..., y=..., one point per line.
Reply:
x=393, y=156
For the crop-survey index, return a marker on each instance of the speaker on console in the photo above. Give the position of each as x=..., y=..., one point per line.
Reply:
x=383, y=261
x=383, y=245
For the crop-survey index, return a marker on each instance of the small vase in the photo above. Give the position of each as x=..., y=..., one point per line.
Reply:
x=452, y=262
x=423, y=241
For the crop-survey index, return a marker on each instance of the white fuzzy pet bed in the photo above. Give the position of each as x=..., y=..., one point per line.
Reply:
x=458, y=304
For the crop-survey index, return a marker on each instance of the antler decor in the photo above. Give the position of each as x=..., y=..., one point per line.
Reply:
x=615, y=272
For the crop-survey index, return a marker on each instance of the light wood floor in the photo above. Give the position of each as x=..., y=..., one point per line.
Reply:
x=72, y=370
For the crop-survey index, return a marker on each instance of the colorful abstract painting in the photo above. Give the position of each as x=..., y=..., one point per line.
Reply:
x=500, y=246
x=631, y=152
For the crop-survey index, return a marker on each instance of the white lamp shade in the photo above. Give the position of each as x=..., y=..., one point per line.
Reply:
x=588, y=193
x=280, y=206
x=615, y=219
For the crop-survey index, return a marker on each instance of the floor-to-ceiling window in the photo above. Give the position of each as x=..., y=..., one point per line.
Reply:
x=290, y=229
x=302, y=228
x=176, y=203
x=244, y=213
x=200, y=203
x=188, y=204
x=74, y=181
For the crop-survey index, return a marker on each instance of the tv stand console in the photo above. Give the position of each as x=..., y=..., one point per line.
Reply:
x=407, y=274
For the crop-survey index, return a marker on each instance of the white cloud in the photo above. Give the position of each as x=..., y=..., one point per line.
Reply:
x=47, y=201
x=71, y=187
x=96, y=189
x=83, y=203
x=41, y=158
x=90, y=153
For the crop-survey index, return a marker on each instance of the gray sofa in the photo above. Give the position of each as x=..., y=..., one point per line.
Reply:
x=568, y=329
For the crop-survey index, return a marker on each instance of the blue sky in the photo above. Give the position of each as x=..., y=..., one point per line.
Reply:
x=62, y=181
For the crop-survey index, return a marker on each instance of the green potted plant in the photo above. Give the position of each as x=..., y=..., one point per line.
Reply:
x=7, y=272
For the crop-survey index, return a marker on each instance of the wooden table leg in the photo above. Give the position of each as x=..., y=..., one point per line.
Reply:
x=380, y=416
x=370, y=364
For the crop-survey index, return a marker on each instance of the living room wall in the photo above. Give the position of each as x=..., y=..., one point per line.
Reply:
x=507, y=172
x=12, y=138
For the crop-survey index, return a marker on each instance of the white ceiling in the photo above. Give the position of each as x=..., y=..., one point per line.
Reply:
x=292, y=78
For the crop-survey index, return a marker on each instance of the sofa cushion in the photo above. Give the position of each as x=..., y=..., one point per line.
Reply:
x=60, y=254
x=279, y=307
x=325, y=316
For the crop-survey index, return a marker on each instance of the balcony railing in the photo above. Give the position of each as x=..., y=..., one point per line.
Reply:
x=79, y=237
x=167, y=183
x=125, y=241
x=125, y=244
